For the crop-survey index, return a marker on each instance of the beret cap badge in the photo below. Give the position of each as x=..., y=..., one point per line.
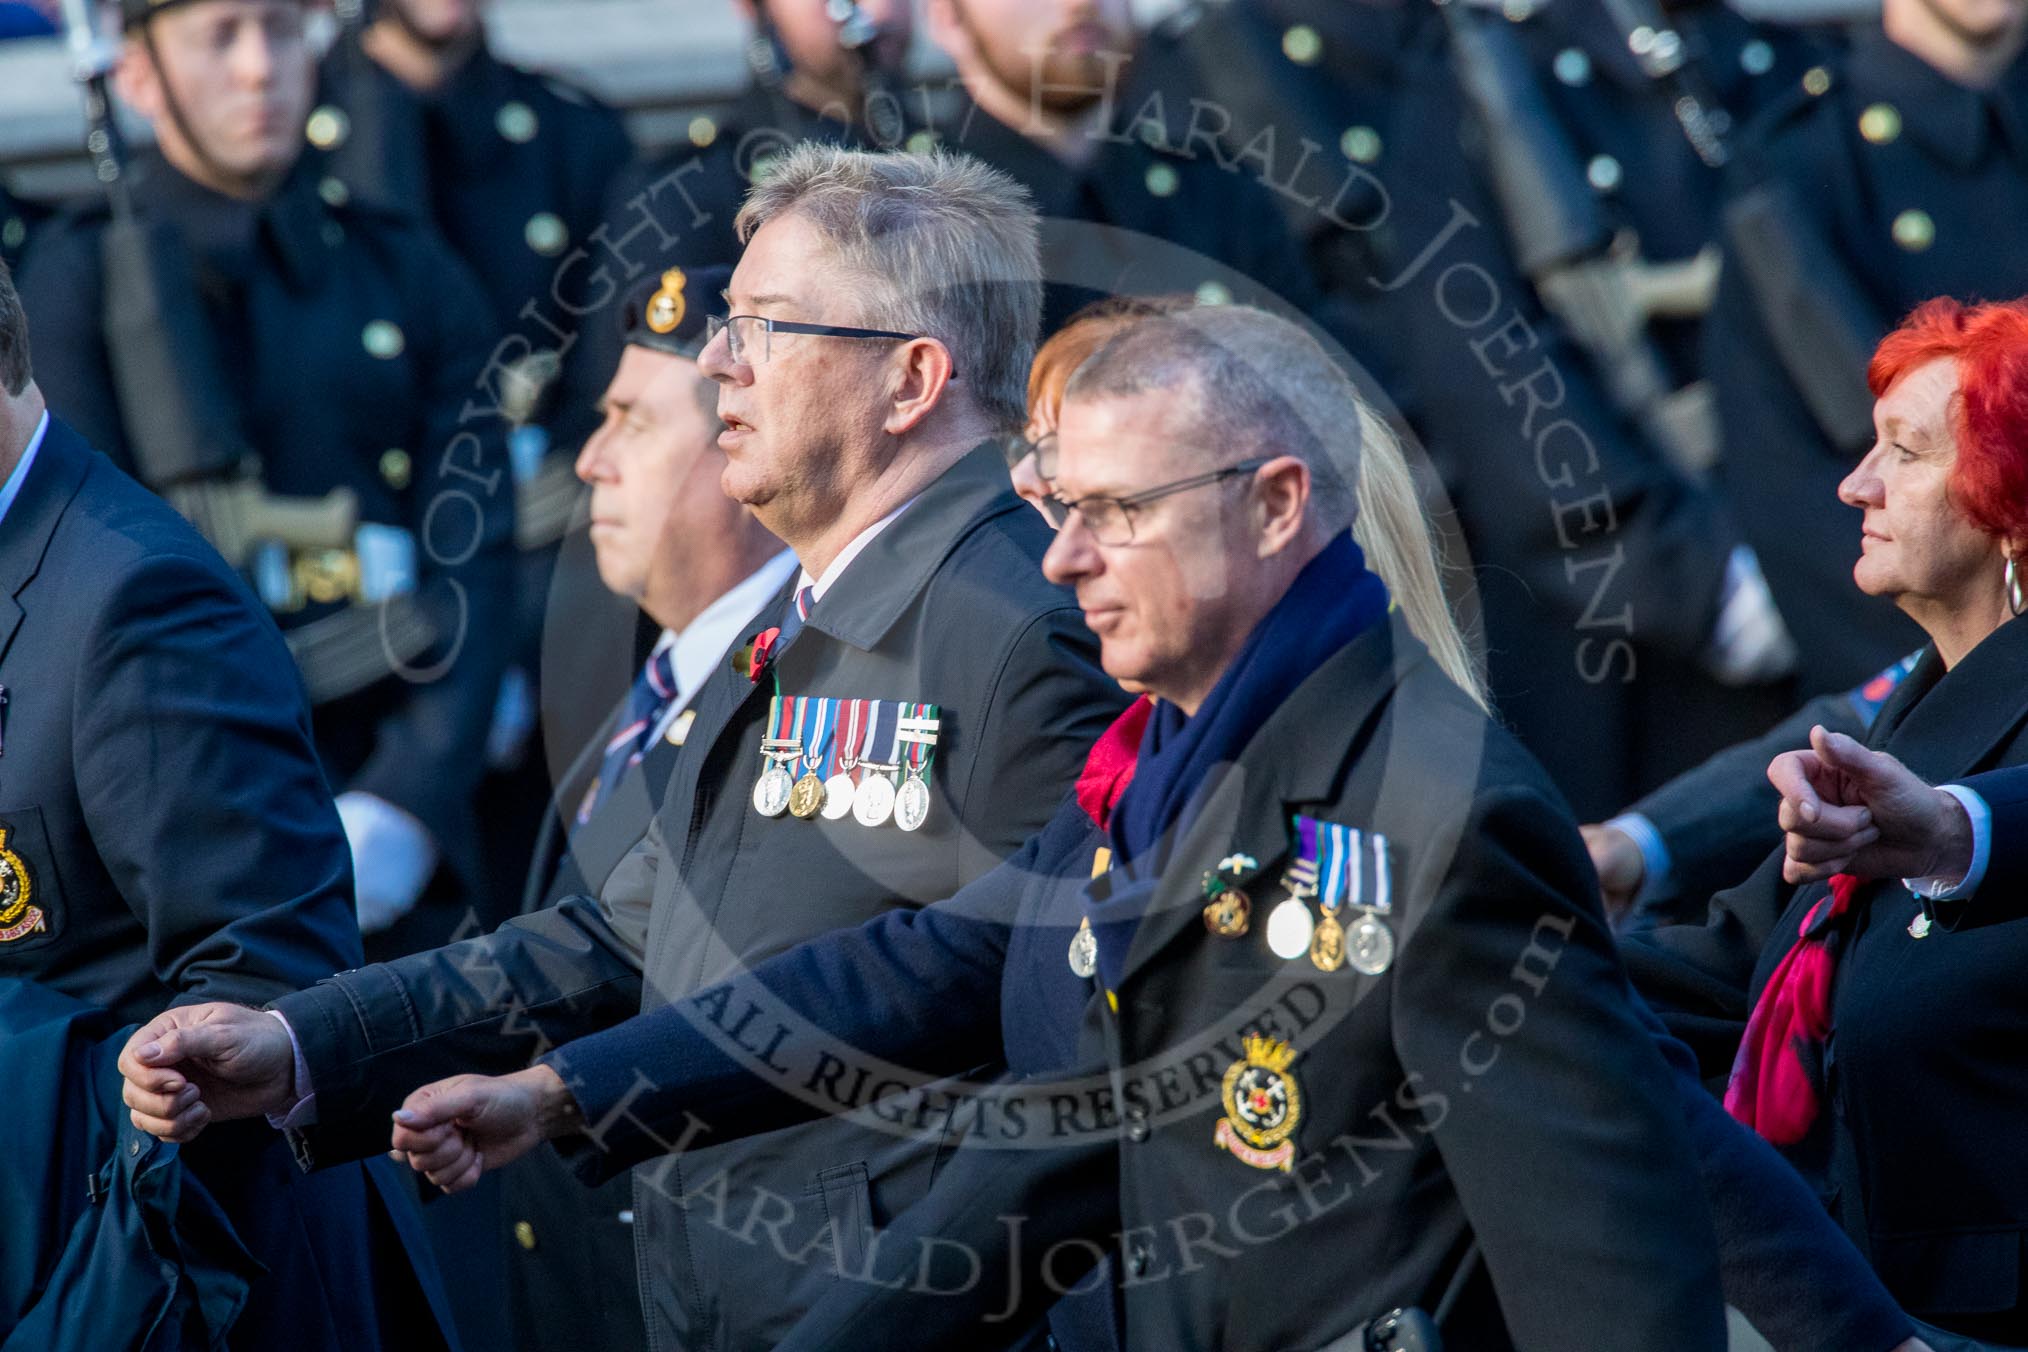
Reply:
x=667, y=306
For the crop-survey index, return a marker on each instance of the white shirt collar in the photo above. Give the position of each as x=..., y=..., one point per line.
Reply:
x=12, y=488
x=847, y=554
x=703, y=643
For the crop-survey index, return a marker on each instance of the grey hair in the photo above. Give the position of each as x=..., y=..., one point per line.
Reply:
x=1260, y=385
x=15, y=372
x=943, y=246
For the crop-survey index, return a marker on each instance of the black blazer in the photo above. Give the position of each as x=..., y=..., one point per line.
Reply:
x=946, y=606
x=168, y=825
x=1925, y=1077
x=1558, y=1146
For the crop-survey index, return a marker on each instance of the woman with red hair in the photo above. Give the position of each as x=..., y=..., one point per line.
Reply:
x=1882, y=1052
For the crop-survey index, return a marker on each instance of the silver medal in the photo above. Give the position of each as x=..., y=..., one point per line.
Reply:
x=771, y=791
x=911, y=804
x=1290, y=928
x=874, y=801
x=838, y=793
x=1084, y=952
x=1369, y=945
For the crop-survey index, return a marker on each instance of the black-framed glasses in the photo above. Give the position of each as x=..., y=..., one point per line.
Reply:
x=1111, y=520
x=750, y=338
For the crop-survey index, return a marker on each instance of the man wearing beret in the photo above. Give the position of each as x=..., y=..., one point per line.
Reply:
x=672, y=547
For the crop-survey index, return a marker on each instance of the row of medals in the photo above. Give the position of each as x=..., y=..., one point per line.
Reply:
x=871, y=801
x=1291, y=931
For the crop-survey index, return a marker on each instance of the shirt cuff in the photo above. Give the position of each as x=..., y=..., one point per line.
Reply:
x=303, y=1112
x=1938, y=887
x=1655, y=859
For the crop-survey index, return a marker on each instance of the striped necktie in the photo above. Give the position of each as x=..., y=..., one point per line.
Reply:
x=650, y=698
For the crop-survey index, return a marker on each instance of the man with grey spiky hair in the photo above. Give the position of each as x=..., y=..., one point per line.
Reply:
x=897, y=719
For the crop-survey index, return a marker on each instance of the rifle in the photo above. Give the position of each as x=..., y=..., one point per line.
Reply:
x=1823, y=326
x=1588, y=275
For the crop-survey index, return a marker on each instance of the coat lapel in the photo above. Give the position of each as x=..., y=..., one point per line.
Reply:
x=60, y=467
x=1953, y=722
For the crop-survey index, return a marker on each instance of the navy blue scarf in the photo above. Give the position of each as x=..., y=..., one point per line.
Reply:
x=1332, y=602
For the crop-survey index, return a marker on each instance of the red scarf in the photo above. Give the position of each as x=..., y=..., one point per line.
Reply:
x=1110, y=766
x=1776, y=1086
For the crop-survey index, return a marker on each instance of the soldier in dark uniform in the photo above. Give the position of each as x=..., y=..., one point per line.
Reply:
x=671, y=546
x=415, y=113
x=167, y=837
x=350, y=342
x=1051, y=94
x=1551, y=266
x=1873, y=185
x=513, y=167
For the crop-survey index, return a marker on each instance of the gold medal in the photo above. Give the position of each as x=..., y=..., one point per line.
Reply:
x=1327, y=944
x=1229, y=914
x=806, y=799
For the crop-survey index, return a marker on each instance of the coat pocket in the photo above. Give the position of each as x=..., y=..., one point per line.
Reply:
x=847, y=1196
x=1953, y=1271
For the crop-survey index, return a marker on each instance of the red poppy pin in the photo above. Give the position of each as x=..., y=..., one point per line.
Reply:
x=761, y=651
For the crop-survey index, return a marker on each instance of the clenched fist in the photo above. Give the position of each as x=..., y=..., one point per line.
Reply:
x=192, y=1066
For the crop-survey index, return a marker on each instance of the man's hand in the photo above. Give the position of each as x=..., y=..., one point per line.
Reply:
x=1621, y=869
x=1845, y=809
x=192, y=1066
x=454, y=1130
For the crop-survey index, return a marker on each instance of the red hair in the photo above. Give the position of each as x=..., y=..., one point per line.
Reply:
x=1989, y=418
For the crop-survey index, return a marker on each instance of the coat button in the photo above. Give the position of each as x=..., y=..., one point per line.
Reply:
x=1137, y=1123
x=1816, y=81
x=1302, y=45
x=516, y=122
x=1914, y=230
x=524, y=1234
x=1360, y=144
x=1137, y=1259
x=546, y=233
x=383, y=338
x=328, y=127
x=1880, y=123
x=396, y=468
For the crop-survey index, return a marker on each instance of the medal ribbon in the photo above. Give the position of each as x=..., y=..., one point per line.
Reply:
x=1309, y=861
x=823, y=720
x=852, y=735
x=886, y=721
x=923, y=751
x=1339, y=859
x=800, y=705
x=778, y=718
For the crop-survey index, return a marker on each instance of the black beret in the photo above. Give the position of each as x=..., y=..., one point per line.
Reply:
x=134, y=13
x=666, y=313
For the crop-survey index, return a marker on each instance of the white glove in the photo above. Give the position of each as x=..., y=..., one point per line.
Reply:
x=392, y=858
x=1750, y=643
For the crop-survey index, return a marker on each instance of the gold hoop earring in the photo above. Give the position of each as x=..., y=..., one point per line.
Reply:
x=2017, y=602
